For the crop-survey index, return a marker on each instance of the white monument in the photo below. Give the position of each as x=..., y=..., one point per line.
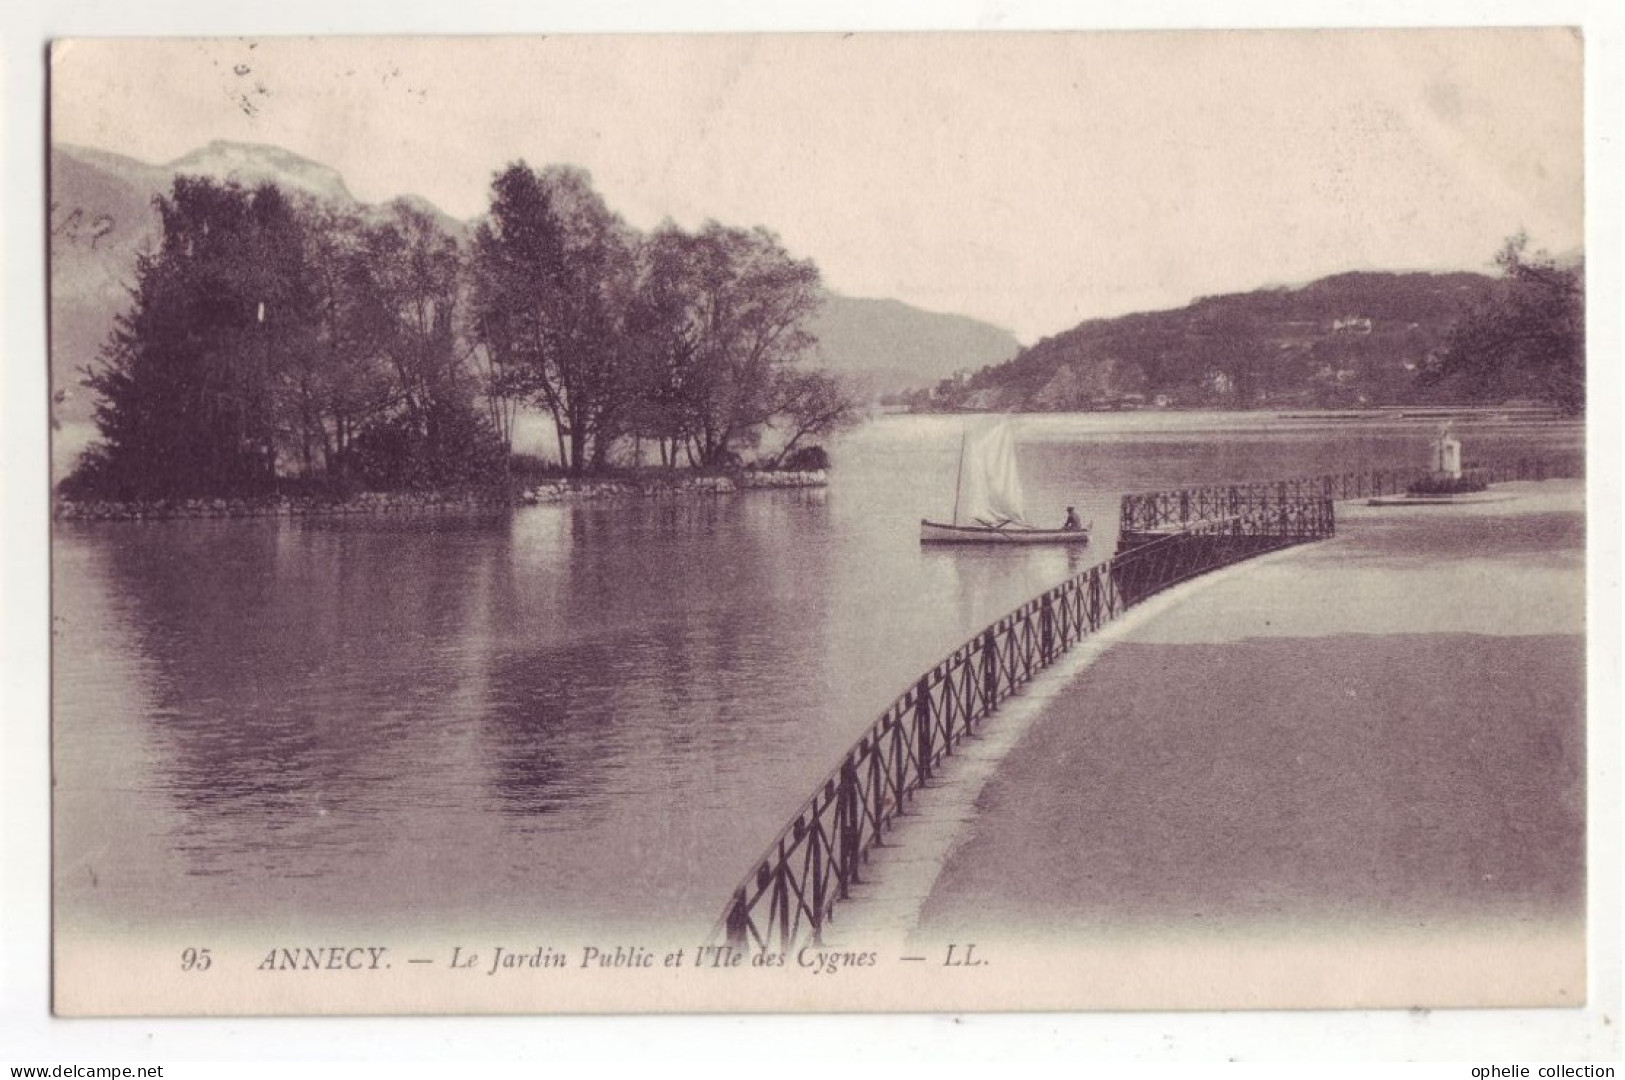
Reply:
x=1447, y=454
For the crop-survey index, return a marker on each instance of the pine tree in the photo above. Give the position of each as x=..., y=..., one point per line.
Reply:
x=192, y=389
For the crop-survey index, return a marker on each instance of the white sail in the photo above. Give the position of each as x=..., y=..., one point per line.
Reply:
x=989, y=485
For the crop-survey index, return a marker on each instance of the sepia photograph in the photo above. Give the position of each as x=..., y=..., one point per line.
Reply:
x=874, y=522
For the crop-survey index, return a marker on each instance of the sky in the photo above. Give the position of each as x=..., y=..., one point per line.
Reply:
x=1032, y=180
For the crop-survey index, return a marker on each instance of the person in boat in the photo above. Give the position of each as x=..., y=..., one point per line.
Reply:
x=1071, y=524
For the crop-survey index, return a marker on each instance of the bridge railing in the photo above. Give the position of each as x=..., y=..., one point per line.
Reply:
x=1157, y=510
x=790, y=894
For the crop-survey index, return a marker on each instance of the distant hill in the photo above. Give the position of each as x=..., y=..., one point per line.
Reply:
x=102, y=216
x=252, y=164
x=888, y=346
x=1349, y=339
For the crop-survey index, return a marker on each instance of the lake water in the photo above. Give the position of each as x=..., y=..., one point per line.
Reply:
x=587, y=715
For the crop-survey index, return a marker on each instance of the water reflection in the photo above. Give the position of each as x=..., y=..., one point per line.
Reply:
x=294, y=670
x=600, y=709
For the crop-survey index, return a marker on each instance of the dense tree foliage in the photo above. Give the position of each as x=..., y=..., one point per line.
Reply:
x=268, y=338
x=194, y=380
x=388, y=367
x=551, y=280
x=1527, y=339
x=754, y=301
x=682, y=339
x=721, y=321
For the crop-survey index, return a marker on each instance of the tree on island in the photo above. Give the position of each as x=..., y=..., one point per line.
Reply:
x=1527, y=339
x=665, y=336
x=755, y=301
x=191, y=385
x=721, y=319
x=272, y=338
x=682, y=339
x=552, y=267
x=811, y=403
x=433, y=432
x=267, y=335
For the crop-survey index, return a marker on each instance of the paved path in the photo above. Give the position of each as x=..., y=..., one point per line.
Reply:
x=1376, y=741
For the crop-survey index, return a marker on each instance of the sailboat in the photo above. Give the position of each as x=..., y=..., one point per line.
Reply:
x=988, y=501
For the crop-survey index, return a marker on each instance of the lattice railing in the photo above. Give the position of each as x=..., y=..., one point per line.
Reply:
x=790, y=894
x=1159, y=510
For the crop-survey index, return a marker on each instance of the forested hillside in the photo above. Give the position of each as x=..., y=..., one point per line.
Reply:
x=1347, y=340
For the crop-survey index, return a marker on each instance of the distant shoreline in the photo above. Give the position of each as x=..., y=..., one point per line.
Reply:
x=1508, y=413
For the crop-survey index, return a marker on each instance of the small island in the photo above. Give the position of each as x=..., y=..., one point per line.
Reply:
x=285, y=354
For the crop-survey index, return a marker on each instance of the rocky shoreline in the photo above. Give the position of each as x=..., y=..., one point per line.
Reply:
x=565, y=490
x=409, y=502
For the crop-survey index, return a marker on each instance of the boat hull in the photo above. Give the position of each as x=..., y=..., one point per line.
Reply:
x=934, y=532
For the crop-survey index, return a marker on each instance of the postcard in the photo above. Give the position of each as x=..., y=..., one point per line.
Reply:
x=1069, y=521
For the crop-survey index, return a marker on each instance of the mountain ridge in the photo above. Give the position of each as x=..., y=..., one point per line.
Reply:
x=1354, y=338
x=102, y=218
